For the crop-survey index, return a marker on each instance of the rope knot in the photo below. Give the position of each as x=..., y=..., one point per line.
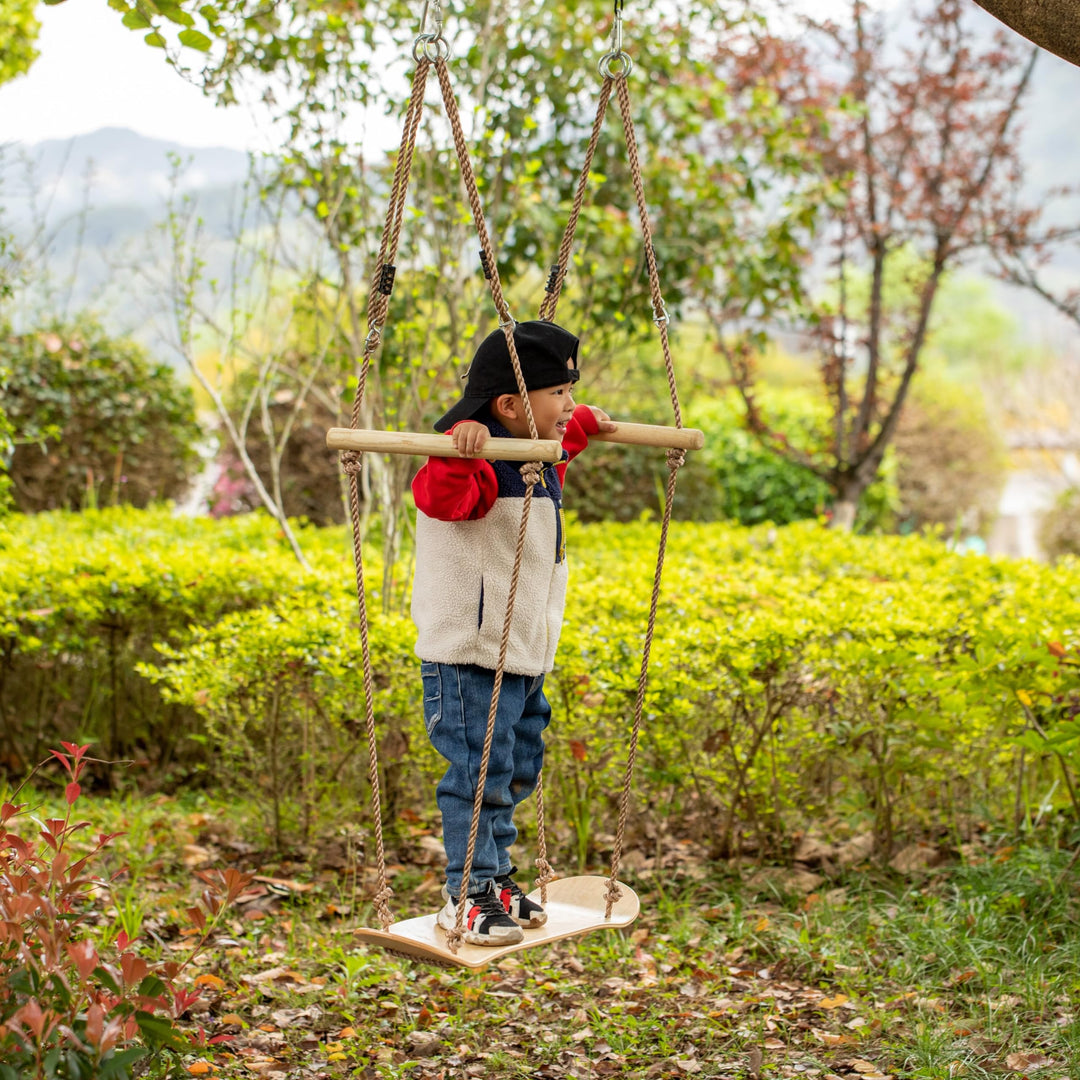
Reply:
x=352, y=461
x=612, y=896
x=676, y=459
x=531, y=472
x=544, y=874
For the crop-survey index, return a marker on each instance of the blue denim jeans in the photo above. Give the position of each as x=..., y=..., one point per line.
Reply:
x=457, y=699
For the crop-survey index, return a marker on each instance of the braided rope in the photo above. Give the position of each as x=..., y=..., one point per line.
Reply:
x=352, y=463
x=544, y=872
x=545, y=875
x=531, y=473
x=675, y=460
x=379, y=303
x=551, y=299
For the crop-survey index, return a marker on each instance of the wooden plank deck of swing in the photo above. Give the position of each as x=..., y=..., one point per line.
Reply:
x=575, y=906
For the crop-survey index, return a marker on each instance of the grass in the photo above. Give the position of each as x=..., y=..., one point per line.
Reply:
x=971, y=970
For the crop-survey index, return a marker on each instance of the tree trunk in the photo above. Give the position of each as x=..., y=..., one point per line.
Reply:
x=848, y=493
x=1053, y=24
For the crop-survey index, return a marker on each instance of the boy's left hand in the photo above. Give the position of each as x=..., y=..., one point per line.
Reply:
x=603, y=421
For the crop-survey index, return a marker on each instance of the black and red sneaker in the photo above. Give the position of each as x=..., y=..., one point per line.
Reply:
x=486, y=921
x=516, y=904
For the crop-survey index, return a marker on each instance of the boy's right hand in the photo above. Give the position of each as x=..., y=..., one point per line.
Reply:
x=469, y=437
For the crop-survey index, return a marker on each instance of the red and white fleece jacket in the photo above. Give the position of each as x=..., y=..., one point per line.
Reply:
x=467, y=523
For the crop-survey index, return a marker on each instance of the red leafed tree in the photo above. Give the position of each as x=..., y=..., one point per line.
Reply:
x=922, y=145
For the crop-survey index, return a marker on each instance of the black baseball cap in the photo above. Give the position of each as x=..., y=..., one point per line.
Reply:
x=544, y=351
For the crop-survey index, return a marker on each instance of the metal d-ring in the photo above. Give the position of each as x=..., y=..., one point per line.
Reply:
x=608, y=62
x=432, y=47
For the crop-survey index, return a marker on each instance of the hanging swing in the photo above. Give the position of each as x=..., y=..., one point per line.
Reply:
x=575, y=905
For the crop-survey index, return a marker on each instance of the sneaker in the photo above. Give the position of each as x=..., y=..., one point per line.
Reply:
x=516, y=904
x=486, y=920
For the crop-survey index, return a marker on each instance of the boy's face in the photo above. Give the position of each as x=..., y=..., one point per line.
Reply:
x=552, y=407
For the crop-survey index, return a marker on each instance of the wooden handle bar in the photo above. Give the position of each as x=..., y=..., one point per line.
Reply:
x=412, y=442
x=425, y=445
x=653, y=435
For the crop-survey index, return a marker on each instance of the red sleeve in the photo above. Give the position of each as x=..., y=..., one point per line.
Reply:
x=455, y=489
x=582, y=424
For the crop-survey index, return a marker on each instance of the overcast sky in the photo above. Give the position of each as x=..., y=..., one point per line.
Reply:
x=93, y=72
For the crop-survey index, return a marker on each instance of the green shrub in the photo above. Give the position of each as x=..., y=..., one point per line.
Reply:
x=95, y=422
x=1059, y=531
x=84, y=598
x=7, y=437
x=281, y=692
x=734, y=478
x=804, y=674
x=799, y=675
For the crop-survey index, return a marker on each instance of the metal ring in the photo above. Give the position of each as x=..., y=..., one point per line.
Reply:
x=432, y=47
x=374, y=336
x=607, y=61
x=662, y=319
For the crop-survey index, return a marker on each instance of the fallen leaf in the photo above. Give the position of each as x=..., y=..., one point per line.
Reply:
x=687, y=1065
x=1022, y=1062
x=200, y=1068
x=285, y=884
x=210, y=980
x=832, y=1002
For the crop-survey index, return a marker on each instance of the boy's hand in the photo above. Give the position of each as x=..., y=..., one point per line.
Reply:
x=604, y=422
x=469, y=438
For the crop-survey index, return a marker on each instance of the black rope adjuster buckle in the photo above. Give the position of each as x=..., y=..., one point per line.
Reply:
x=386, y=279
x=485, y=264
x=554, y=277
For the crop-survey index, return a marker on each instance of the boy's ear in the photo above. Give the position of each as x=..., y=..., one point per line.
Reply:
x=505, y=405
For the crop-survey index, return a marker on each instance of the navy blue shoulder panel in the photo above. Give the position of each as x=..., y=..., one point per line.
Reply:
x=508, y=473
x=512, y=486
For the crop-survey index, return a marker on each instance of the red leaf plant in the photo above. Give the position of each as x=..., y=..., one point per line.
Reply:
x=67, y=1008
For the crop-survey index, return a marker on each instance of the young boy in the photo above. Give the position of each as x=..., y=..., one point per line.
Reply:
x=467, y=524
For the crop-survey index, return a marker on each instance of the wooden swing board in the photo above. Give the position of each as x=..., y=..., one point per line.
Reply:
x=575, y=906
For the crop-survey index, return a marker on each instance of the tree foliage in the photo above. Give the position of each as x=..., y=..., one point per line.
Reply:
x=95, y=421
x=926, y=155
x=18, y=32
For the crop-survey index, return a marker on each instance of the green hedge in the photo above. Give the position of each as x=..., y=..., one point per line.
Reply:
x=734, y=478
x=798, y=675
x=85, y=597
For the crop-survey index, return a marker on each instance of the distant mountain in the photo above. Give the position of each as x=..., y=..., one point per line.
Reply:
x=114, y=166
x=88, y=207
